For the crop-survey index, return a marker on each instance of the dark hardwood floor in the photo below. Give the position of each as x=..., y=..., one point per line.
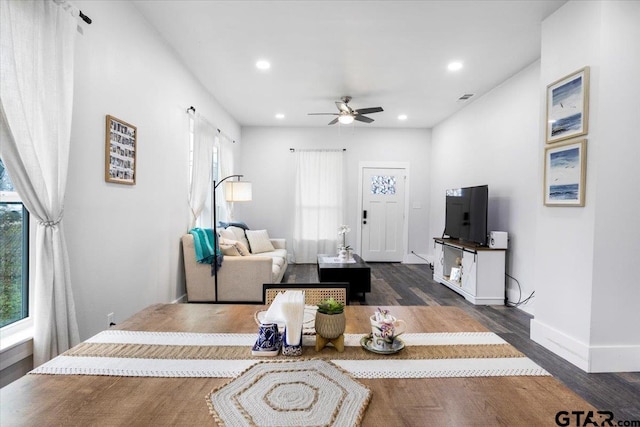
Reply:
x=412, y=284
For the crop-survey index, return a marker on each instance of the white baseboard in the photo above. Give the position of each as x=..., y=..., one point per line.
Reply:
x=592, y=359
x=561, y=344
x=611, y=358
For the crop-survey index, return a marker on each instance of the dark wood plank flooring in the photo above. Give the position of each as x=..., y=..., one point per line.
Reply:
x=413, y=284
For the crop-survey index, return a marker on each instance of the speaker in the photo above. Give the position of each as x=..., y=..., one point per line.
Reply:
x=498, y=239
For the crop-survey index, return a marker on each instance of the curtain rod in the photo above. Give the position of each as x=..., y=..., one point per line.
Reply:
x=192, y=109
x=293, y=150
x=84, y=17
x=67, y=5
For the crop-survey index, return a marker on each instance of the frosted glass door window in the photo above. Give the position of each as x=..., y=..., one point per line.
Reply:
x=381, y=184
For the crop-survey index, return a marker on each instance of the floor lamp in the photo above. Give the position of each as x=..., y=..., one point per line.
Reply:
x=235, y=191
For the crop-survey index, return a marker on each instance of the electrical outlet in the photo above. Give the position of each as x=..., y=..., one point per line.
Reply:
x=110, y=320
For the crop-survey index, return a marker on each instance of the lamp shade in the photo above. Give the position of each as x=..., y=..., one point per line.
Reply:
x=237, y=191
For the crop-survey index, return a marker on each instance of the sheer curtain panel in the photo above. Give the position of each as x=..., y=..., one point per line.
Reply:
x=319, y=203
x=36, y=96
x=204, y=139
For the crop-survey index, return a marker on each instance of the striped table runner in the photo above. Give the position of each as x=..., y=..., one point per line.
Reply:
x=178, y=354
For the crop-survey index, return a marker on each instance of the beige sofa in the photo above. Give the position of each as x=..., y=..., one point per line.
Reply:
x=240, y=278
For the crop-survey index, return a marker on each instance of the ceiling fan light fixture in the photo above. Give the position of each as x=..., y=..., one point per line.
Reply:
x=263, y=65
x=455, y=66
x=345, y=119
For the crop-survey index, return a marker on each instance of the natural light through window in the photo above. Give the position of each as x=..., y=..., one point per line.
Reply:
x=14, y=231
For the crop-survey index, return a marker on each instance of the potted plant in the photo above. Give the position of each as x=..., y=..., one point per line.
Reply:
x=344, y=251
x=330, y=320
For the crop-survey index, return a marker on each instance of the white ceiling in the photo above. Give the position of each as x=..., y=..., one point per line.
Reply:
x=392, y=54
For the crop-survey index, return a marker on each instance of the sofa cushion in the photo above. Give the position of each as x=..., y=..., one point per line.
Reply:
x=259, y=241
x=226, y=234
x=239, y=235
x=278, y=261
x=275, y=271
x=276, y=253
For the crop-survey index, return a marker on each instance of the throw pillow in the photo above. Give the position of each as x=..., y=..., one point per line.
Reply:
x=229, y=250
x=239, y=235
x=244, y=251
x=240, y=248
x=259, y=240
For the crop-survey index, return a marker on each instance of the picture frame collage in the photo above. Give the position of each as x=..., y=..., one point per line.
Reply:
x=567, y=120
x=121, y=141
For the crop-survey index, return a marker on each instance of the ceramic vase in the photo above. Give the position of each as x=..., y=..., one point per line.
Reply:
x=330, y=326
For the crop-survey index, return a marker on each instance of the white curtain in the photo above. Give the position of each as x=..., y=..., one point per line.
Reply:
x=201, y=181
x=319, y=203
x=36, y=94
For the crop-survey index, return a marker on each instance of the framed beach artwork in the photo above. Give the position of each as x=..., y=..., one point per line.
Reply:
x=568, y=106
x=565, y=173
x=120, y=152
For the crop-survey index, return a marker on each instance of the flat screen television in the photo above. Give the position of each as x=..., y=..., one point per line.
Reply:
x=466, y=214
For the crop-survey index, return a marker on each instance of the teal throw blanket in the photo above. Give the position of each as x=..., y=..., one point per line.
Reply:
x=206, y=248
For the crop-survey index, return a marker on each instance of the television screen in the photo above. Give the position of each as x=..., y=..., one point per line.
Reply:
x=466, y=214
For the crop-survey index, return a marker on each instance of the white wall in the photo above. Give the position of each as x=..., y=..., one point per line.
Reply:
x=124, y=240
x=268, y=163
x=615, y=313
x=494, y=141
x=587, y=311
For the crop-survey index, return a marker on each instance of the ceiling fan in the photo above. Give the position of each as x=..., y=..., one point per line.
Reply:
x=347, y=115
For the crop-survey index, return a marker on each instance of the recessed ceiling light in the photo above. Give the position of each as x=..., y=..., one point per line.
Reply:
x=454, y=66
x=280, y=116
x=263, y=65
x=402, y=117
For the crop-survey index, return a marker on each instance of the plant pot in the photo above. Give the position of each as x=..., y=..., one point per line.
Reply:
x=330, y=326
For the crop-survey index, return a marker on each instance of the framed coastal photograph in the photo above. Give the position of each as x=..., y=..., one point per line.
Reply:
x=120, y=151
x=565, y=173
x=568, y=106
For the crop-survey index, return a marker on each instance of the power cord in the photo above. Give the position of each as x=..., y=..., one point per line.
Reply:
x=520, y=300
x=424, y=259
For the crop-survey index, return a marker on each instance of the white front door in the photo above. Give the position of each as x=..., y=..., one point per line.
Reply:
x=383, y=214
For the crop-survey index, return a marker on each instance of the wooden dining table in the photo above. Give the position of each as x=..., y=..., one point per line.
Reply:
x=84, y=400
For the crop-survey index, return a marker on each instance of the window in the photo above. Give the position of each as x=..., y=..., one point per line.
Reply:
x=383, y=184
x=14, y=244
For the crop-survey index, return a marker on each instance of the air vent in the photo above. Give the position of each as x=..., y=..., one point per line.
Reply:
x=465, y=97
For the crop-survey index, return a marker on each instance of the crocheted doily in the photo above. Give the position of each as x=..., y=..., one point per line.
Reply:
x=292, y=393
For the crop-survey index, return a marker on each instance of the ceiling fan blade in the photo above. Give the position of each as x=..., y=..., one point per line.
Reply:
x=323, y=114
x=342, y=106
x=334, y=121
x=363, y=118
x=369, y=110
